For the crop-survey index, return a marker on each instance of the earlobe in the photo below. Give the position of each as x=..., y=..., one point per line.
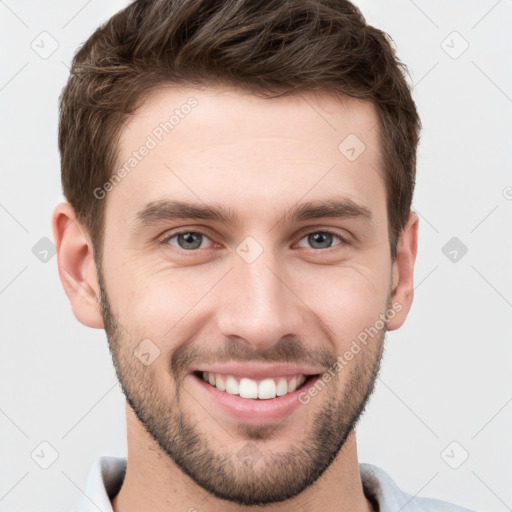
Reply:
x=77, y=269
x=403, y=273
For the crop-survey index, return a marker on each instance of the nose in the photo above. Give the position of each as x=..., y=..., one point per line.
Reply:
x=258, y=304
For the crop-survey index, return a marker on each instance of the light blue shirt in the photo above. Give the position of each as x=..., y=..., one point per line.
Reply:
x=107, y=474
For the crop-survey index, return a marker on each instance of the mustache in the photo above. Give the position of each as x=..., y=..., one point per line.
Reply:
x=289, y=350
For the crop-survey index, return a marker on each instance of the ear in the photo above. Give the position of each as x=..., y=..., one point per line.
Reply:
x=77, y=269
x=403, y=272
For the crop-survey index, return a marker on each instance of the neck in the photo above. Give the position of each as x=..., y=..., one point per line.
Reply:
x=153, y=482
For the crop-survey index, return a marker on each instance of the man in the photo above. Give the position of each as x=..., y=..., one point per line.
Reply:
x=240, y=177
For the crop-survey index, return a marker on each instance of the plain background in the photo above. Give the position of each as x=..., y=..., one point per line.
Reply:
x=444, y=391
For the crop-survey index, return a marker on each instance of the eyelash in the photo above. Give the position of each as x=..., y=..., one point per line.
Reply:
x=165, y=240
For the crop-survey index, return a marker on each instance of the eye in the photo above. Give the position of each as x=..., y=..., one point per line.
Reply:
x=187, y=240
x=191, y=240
x=322, y=239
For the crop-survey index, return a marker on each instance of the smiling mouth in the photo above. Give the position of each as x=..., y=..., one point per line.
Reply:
x=262, y=389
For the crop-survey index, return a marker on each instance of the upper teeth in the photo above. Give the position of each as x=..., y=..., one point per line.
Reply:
x=249, y=388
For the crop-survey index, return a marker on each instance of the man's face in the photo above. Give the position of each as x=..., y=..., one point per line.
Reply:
x=271, y=288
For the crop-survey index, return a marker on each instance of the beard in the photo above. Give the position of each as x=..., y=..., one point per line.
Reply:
x=245, y=476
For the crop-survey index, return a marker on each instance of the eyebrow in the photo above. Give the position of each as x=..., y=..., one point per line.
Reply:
x=166, y=210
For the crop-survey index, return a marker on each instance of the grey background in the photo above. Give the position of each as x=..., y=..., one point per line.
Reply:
x=445, y=380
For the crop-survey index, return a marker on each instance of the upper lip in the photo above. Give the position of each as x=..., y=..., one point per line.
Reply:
x=258, y=372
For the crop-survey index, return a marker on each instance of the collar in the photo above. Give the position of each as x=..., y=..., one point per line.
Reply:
x=107, y=475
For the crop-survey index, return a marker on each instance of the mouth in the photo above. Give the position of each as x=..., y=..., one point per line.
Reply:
x=250, y=400
x=252, y=389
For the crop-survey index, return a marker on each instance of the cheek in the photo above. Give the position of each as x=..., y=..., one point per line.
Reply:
x=346, y=299
x=157, y=302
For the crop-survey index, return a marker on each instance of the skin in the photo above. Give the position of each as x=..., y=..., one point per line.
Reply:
x=297, y=302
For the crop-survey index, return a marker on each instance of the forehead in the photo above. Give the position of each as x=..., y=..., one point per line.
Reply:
x=255, y=155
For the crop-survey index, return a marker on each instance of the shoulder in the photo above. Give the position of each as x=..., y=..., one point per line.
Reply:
x=381, y=487
x=104, y=481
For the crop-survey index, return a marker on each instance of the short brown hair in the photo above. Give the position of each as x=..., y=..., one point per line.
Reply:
x=268, y=48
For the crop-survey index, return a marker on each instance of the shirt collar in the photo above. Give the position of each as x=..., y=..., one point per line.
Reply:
x=103, y=483
x=107, y=474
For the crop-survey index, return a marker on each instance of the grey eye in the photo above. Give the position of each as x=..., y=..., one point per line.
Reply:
x=321, y=239
x=188, y=240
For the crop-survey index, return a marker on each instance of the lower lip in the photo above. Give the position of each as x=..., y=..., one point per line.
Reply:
x=255, y=410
